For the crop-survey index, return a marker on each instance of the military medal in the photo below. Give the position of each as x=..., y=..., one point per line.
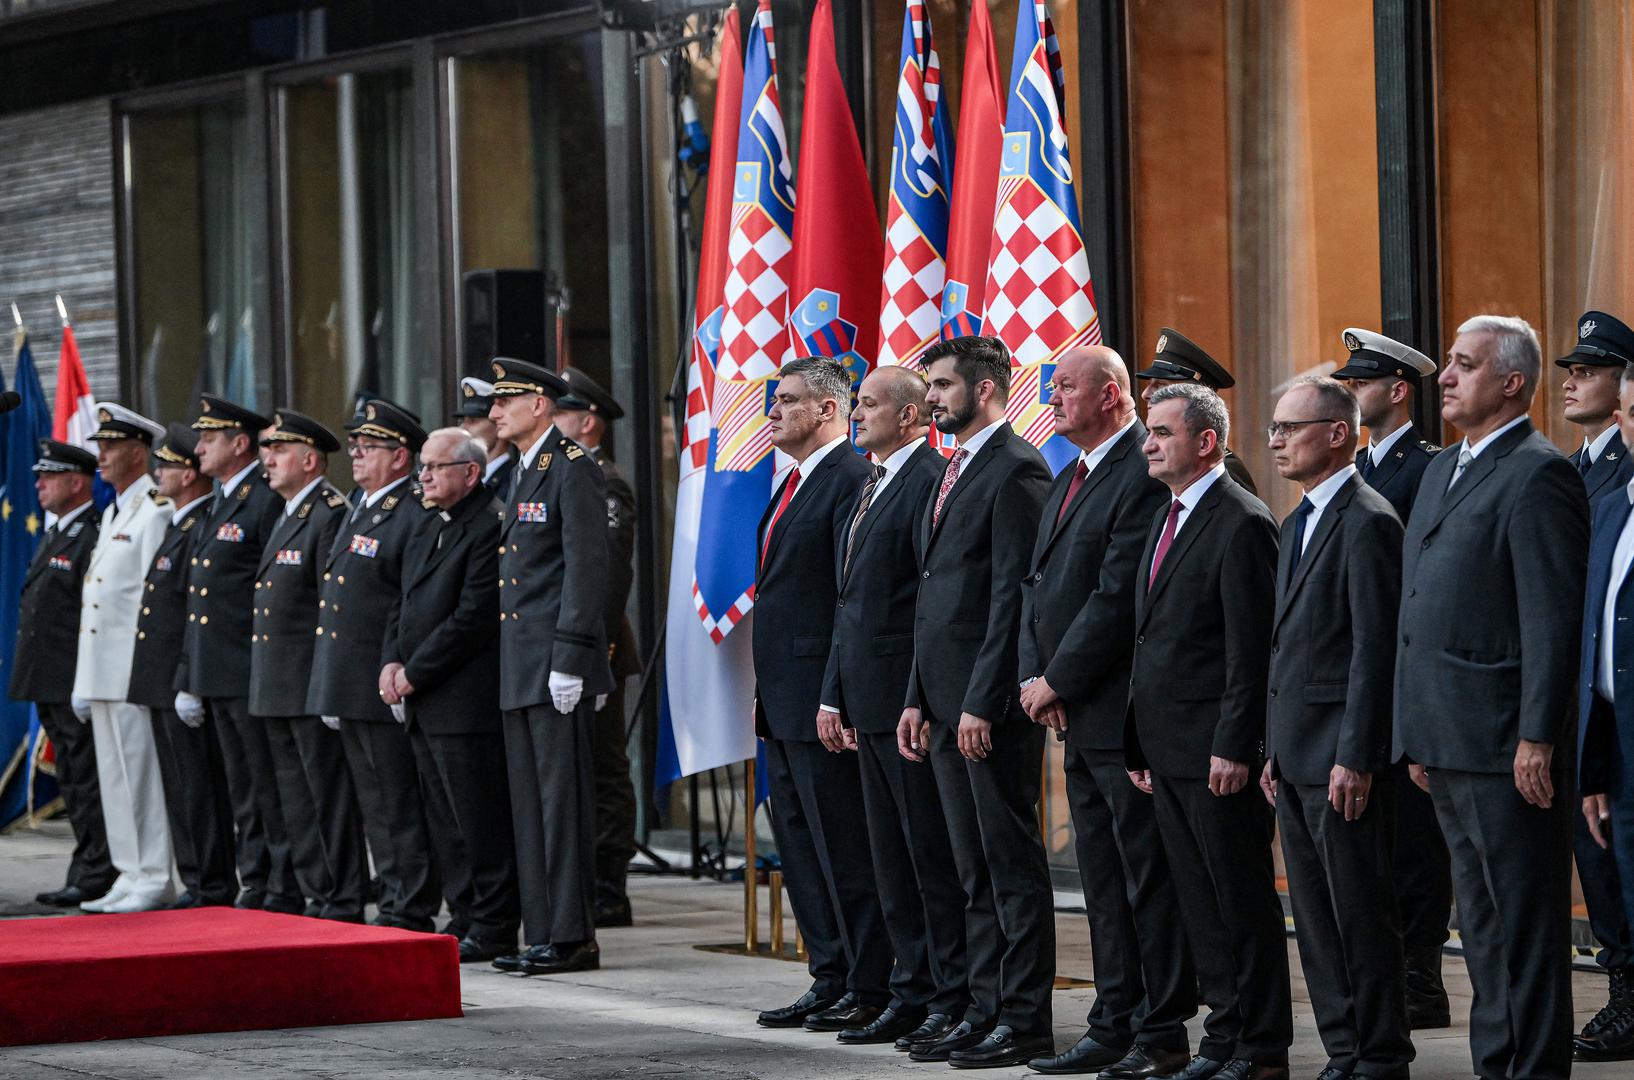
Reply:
x=532, y=512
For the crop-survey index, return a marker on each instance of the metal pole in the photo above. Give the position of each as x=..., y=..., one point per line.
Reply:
x=751, y=918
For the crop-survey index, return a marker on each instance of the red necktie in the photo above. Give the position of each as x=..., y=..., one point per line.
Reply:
x=1165, y=540
x=782, y=505
x=949, y=478
x=1079, y=475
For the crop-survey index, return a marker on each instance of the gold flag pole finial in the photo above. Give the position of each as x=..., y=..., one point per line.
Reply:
x=16, y=315
x=62, y=309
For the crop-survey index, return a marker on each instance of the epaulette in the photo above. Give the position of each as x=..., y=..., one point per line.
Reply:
x=416, y=490
x=162, y=500
x=1426, y=444
x=243, y=491
x=190, y=522
x=573, y=451
x=335, y=500
x=427, y=503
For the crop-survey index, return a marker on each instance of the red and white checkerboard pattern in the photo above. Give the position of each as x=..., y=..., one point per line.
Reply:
x=717, y=629
x=754, y=343
x=910, y=315
x=1038, y=292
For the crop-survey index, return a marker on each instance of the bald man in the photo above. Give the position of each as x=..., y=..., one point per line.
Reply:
x=1077, y=644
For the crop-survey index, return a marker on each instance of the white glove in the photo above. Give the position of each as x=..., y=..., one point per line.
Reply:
x=331, y=722
x=601, y=702
x=82, y=708
x=399, y=713
x=190, y=708
x=565, y=691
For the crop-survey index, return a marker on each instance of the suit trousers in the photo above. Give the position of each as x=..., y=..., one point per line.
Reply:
x=133, y=797
x=1349, y=935
x=320, y=812
x=821, y=829
x=200, y=812
x=553, y=812
x=264, y=866
x=387, y=781
x=1622, y=846
x=1419, y=864
x=1219, y=851
x=919, y=889
x=1145, y=987
x=1597, y=870
x=74, y=745
x=468, y=810
x=615, y=800
x=1511, y=867
x=991, y=808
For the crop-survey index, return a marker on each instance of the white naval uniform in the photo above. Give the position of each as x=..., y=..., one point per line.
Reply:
x=133, y=798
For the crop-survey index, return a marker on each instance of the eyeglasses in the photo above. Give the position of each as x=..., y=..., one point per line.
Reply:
x=1281, y=429
x=433, y=466
x=359, y=449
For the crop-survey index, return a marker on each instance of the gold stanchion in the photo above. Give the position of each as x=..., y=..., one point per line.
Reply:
x=799, y=942
x=774, y=908
x=751, y=891
x=1043, y=794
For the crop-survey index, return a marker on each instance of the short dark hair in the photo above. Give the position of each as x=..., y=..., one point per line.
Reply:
x=825, y=377
x=975, y=359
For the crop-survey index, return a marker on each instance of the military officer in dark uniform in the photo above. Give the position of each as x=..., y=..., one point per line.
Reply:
x=214, y=666
x=361, y=580
x=1178, y=359
x=1594, y=369
x=553, y=568
x=441, y=669
x=583, y=415
x=1384, y=375
x=43, y=663
x=476, y=400
x=195, y=780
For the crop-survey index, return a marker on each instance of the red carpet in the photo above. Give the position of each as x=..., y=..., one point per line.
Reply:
x=213, y=969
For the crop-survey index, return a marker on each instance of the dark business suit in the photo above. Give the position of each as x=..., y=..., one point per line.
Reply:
x=195, y=779
x=444, y=631
x=615, y=792
x=314, y=792
x=1605, y=748
x=1202, y=650
x=867, y=676
x=816, y=795
x=1330, y=704
x=1077, y=618
x=967, y=626
x=553, y=575
x=499, y=484
x=362, y=579
x=1477, y=670
x=1239, y=472
x=43, y=672
x=1419, y=861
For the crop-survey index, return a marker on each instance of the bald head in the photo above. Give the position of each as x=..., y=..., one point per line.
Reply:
x=890, y=410
x=1090, y=395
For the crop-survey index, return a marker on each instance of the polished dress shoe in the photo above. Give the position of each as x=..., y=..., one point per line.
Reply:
x=613, y=913
x=1243, y=1069
x=561, y=959
x=251, y=900
x=1198, y=1068
x=932, y=1028
x=288, y=905
x=1331, y=1073
x=961, y=1036
x=1003, y=1046
x=792, y=1016
x=1144, y=1060
x=885, y=1028
x=514, y=963
x=100, y=905
x=1085, y=1056
x=139, y=900
x=67, y=896
x=848, y=1012
x=474, y=950
x=456, y=929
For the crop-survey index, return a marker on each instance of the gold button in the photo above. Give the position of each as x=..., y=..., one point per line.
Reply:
x=513, y=581
x=192, y=617
x=204, y=590
x=147, y=611
x=323, y=603
x=203, y=619
x=319, y=631
x=343, y=579
x=141, y=635
x=326, y=576
x=196, y=558
x=257, y=584
x=150, y=586
x=206, y=562
x=333, y=634
x=501, y=583
x=337, y=609
x=192, y=588
x=252, y=639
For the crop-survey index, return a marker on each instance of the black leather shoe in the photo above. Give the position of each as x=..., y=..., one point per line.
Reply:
x=1002, y=1047
x=1085, y=1056
x=1144, y=1060
x=847, y=1012
x=886, y=1027
x=286, y=906
x=932, y=1028
x=251, y=900
x=514, y=963
x=458, y=930
x=473, y=950
x=1243, y=1069
x=1330, y=1073
x=67, y=896
x=1614, y=1040
x=561, y=959
x=1198, y=1068
x=792, y=1016
x=185, y=902
x=962, y=1036
x=614, y=914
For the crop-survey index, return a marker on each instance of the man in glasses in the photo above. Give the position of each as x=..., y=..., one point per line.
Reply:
x=441, y=675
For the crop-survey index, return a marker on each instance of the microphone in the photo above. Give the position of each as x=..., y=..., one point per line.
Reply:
x=10, y=400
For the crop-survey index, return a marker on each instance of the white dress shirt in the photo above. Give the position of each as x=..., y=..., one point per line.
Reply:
x=1320, y=496
x=381, y=493
x=176, y=518
x=895, y=464
x=240, y=476
x=1377, y=450
x=1091, y=458
x=1621, y=558
x=1194, y=494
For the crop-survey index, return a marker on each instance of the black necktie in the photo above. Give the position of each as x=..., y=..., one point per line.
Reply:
x=1584, y=463
x=1364, y=462
x=1302, y=517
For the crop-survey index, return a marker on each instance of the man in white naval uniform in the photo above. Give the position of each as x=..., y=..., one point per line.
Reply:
x=133, y=798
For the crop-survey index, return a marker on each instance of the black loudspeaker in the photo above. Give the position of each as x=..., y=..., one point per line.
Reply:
x=504, y=316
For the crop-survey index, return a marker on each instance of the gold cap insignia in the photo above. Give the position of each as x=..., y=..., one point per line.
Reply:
x=1162, y=342
x=368, y=412
x=1352, y=342
x=469, y=390
x=104, y=416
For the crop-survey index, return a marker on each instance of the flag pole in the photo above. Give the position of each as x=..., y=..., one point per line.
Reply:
x=751, y=887
x=16, y=315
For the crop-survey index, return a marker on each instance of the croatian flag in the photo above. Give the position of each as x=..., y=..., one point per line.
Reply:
x=916, y=215
x=975, y=181
x=753, y=345
x=1039, y=298
x=74, y=417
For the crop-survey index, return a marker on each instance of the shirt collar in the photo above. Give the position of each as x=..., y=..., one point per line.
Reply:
x=899, y=459
x=1378, y=449
x=974, y=444
x=74, y=513
x=240, y=476
x=1092, y=458
x=1199, y=487
x=533, y=451
x=370, y=500
x=1323, y=493
x=176, y=518
x=1476, y=447
x=1598, y=446
x=815, y=458
x=495, y=465
x=136, y=490
x=292, y=504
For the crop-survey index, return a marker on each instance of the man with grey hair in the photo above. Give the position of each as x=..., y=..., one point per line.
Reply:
x=1483, y=690
x=1196, y=730
x=1328, y=729
x=816, y=794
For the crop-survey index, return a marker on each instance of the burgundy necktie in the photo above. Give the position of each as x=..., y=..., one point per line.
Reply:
x=1164, y=541
x=782, y=505
x=949, y=478
x=1079, y=475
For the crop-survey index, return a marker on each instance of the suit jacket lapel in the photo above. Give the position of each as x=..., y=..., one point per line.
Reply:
x=1601, y=554
x=1327, y=523
x=1479, y=469
x=1391, y=463
x=1196, y=522
x=971, y=468
x=1125, y=445
x=1604, y=470
x=800, y=501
